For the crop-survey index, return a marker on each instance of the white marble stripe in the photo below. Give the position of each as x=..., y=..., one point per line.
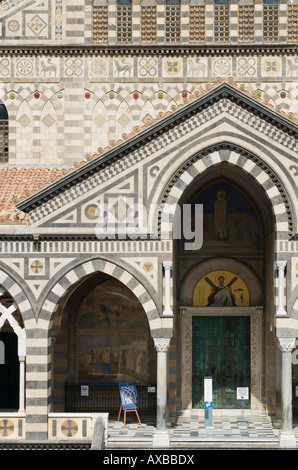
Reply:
x=199, y=166
x=262, y=177
x=72, y=277
x=216, y=158
x=58, y=290
x=24, y=306
x=272, y=192
x=233, y=158
x=249, y=165
x=88, y=267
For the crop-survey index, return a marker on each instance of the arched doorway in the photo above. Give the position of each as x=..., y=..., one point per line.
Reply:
x=224, y=294
x=3, y=134
x=12, y=354
x=221, y=307
x=103, y=330
x=9, y=371
x=294, y=314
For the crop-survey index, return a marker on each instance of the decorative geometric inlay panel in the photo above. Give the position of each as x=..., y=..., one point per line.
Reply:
x=6, y=427
x=48, y=120
x=36, y=24
x=69, y=428
x=24, y=67
x=36, y=266
x=14, y=26
x=24, y=120
x=98, y=67
x=74, y=67
x=5, y=67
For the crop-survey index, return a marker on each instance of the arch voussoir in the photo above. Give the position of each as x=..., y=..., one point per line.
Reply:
x=87, y=268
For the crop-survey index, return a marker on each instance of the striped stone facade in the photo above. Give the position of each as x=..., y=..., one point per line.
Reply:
x=146, y=122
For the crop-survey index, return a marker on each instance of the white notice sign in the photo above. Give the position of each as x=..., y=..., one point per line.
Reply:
x=84, y=390
x=208, y=389
x=242, y=393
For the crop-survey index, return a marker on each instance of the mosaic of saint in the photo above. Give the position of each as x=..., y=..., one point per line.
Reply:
x=113, y=335
x=221, y=289
x=229, y=217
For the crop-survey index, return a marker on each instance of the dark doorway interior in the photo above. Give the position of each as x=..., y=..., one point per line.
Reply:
x=9, y=371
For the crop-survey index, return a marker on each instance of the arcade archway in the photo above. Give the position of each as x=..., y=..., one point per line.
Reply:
x=104, y=333
x=224, y=293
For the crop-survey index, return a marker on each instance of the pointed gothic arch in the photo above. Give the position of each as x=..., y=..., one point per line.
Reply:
x=21, y=305
x=4, y=142
x=146, y=296
x=241, y=158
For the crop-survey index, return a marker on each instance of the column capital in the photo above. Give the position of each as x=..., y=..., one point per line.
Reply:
x=286, y=344
x=167, y=264
x=162, y=344
x=281, y=264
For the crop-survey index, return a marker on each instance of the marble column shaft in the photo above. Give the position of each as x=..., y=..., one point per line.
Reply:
x=286, y=345
x=162, y=346
x=281, y=284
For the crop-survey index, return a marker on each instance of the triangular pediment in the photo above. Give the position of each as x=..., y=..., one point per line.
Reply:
x=114, y=171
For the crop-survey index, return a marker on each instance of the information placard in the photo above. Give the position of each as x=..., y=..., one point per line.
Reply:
x=84, y=390
x=208, y=391
x=242, y=393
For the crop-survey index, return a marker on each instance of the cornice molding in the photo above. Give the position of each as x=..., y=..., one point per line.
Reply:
x=160, y=49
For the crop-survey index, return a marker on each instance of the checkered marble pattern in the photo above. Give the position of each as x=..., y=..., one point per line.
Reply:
x=237, y=427
x=191, y=430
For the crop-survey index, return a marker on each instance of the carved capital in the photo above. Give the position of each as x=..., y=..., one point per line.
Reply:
x=162, y=344
x=281, y=264
x=286, y=344
x=167, y=265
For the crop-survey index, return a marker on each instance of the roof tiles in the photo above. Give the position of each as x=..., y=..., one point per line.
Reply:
x=17, y=183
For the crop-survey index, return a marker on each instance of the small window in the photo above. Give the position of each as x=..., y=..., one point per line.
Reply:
x=3, y=134
x=270, y=20
x=197, y=21
x=221, y=21
x=292, y=22
x=148, y=23
x=124, y=21
x=100, y=24
x=246, y=21
x=173, y=21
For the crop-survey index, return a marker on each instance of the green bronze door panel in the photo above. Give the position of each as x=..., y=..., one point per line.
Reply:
x=221, y=349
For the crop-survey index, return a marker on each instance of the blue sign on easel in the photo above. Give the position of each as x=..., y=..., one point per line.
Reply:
x=129, y=399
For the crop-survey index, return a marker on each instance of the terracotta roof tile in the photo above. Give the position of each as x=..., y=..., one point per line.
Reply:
x=19, y=182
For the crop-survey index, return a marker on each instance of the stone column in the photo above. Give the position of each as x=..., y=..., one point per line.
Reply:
x=287, y=434
x=281, y=284
x=22, y=384
x=167, y=287
x=38, y=391
x=162, y=346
